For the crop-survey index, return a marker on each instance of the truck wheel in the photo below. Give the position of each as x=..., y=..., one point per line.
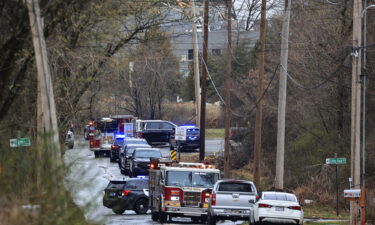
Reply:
x=163, y=217
x=211, y=220
x=141, y=206
x=154, y=216
x=118, y=209
x=195, y=220
x=97, y=154
x=111, y=159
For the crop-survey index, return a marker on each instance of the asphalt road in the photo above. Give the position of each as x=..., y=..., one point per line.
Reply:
x=87, y=178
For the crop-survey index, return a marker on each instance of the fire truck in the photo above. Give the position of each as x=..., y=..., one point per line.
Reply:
x=180, y=189
x=103, y=132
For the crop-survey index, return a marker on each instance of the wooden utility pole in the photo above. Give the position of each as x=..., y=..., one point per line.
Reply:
x=356, y=105
x=228, y=87
x=279, y=179
x=259, y=113
x=196, y=64
x=204, y=79
x=46, y=107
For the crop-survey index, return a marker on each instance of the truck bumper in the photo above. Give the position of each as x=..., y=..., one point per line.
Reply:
x=186, y=212
x=231, y=214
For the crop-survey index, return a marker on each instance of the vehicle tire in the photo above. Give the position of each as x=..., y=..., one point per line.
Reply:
x=211, y=220
x=71, y=146
x=118, y=209
x=163, y=217
x=97, y=154
x=154, y=216
x=141, y=206
x=111, y=159
x=195, y=220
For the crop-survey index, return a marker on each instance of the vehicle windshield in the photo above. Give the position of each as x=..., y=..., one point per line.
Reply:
x=280, y=197
x=192, y=132
x=107, y=126
x=147, y=154
x=191, y=179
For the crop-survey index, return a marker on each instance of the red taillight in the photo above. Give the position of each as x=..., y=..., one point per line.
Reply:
x=213, y=199
x=152, y=166
x=295, y=207
x=125, y=192
x=261, y=205
x=205, y=196
x=114, y=147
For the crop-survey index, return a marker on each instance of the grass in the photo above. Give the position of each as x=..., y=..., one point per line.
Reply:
x=324, y=212
x=215, y=133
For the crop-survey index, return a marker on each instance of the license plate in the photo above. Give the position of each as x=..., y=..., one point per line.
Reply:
x=279, y=209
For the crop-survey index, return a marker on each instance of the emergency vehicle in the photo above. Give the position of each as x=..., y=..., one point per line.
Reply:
x=180, y=189
x=103, y=132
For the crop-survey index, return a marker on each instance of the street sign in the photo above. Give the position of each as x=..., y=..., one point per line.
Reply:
x=20, y=142
x=336, y=161
x=180, y=134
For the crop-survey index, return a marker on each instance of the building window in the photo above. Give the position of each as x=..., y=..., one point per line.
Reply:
x=216, y=51
x=190, y=54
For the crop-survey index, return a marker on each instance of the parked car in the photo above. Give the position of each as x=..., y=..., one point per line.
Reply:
x=156, y=132
x=231, y=200
x=115, y=149
x=69, y=139
x=127, y=152
x=277, y=207
x=131, y=194
x=140, y=160
x=192, y=139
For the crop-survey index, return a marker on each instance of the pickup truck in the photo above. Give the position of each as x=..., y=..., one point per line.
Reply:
x=231, y=200
x=156, y=132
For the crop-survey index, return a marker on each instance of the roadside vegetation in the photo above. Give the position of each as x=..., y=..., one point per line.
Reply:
x=32, y=188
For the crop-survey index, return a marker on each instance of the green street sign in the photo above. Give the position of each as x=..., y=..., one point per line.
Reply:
x=336, y=161
x=20, y=142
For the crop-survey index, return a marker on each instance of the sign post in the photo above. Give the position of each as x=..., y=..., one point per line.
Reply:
x=180, y=135
x=336, y=161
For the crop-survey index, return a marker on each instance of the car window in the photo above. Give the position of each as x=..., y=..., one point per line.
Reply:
x=279, y=197
x=153, y=125
x=166, y=126
x=116, y=184
x=131, y=184
x=235, y=187
x=118, y=142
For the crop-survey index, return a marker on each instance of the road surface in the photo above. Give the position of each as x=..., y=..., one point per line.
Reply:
x=88, y=177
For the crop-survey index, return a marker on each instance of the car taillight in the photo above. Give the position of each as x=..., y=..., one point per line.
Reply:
x=125, y=192
x=295, y=207
x=261, y=205
x=205, y=196
x=213, y=199
x=114, y=147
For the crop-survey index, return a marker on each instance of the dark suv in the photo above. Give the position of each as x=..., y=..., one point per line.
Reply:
x=156, y=132
x=125, y=155
x=140, y=160
x=115, y=148
x=131, y=194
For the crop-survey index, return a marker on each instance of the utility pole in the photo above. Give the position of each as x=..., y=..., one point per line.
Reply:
x=259, y=113
x=196, y=64
x=204, y=79
x=356, y=105
x=47, y=103
x=279, y=179
x=228, y=87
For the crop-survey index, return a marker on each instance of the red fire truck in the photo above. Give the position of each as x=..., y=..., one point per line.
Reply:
x=103, y=132
x=180, y=189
